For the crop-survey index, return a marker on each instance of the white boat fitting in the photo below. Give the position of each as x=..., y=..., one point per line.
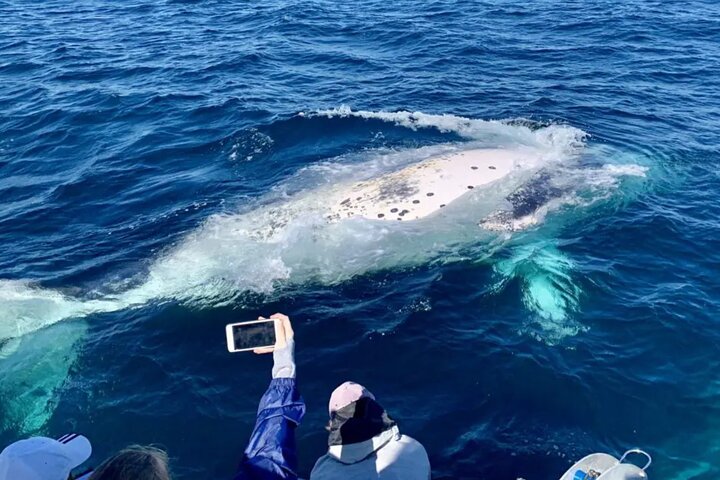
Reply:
x=602, y=466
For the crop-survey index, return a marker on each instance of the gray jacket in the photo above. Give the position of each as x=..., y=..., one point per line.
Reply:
x=387, y=456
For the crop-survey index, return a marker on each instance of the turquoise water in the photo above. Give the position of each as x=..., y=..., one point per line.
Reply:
x=161, y=169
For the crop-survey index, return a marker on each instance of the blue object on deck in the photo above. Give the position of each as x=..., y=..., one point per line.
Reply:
x=580, y=475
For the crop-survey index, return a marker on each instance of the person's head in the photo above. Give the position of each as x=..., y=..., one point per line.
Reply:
x=355, y=415
x=134, y=463
x=41, y=458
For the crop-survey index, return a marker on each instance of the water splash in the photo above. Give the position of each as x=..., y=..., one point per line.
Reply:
x=28, y=308
x=553, y=138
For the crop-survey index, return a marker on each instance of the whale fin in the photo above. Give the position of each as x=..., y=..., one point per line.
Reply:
x=32, y=374
x=548, y=289
x=9, y=347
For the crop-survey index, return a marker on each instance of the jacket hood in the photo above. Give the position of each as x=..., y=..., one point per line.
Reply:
x=357, y=452
x=358, y=422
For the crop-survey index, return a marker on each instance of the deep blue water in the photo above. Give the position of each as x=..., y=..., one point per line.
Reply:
x=139, y=142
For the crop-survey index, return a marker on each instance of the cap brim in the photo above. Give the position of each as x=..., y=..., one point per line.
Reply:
x=76, y=447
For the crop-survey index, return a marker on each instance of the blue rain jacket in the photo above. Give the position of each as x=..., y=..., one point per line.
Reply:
x=271, y=453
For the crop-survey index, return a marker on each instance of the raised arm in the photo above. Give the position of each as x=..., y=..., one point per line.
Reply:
x=271, y=453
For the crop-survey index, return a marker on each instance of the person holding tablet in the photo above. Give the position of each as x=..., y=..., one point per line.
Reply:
x=365, y=443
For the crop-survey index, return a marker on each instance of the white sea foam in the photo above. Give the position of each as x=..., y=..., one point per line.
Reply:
x=554, y=138
x=27, y=308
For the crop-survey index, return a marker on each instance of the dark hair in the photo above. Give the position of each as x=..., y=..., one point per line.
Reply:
x=135, y=462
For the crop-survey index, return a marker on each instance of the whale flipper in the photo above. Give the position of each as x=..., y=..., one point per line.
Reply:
x=32, y=374
x=9, y=347
x=548, y=287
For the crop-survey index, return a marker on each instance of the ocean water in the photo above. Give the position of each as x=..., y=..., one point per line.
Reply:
x=162, y=166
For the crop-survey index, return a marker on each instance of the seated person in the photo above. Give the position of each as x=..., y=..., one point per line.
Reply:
x=365, y=443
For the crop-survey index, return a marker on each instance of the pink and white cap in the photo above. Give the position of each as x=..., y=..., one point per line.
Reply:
x=41, y=458
x=346, y=394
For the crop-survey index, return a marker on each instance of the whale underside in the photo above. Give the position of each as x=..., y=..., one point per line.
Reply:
x=423, y=189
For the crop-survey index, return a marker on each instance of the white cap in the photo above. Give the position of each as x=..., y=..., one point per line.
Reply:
x=346, y=394
x=41, y=458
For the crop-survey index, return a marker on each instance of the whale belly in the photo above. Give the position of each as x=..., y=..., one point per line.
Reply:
x=424, y=188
